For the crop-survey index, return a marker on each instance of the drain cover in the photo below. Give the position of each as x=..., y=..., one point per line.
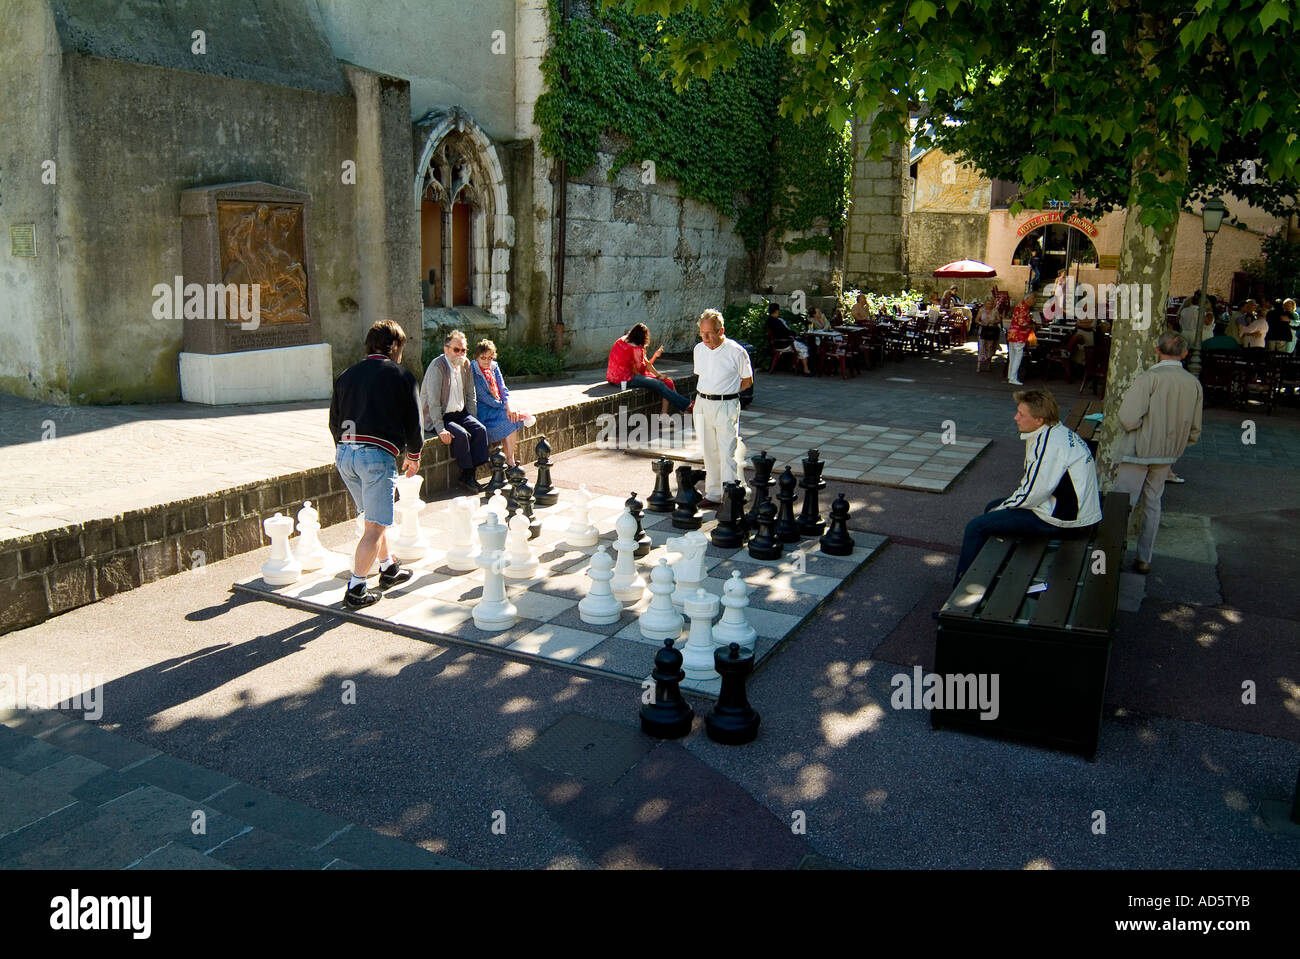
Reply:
x=592, y=750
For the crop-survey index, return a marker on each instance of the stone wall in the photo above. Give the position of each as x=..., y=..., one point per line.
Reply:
x=875, y=242
x=938, y=238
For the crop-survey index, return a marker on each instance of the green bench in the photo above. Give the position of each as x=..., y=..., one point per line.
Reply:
x=1087, y=430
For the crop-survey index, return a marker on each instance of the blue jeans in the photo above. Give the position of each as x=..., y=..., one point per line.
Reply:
x=370, y=474
x=1001, y=522
x=469, y=442
x=662, y=388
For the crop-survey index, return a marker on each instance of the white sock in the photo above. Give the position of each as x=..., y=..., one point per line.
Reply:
x=384, y=563
x=356, y=581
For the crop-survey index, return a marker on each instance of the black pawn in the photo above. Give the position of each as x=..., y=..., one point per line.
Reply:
x=687, y=499
x=732, y=721
x=810, y=517
x=668, y=716
x=787, y=528
x=522, y=497
x=661, y=500
x=729, y=533
x=498, y=480
x=837, y=541
x=761, y=483
x=544, y=494
x=514, y=476
x=643, y=544
x=764, y=544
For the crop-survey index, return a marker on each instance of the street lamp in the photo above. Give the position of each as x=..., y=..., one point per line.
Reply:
x=1211, y=220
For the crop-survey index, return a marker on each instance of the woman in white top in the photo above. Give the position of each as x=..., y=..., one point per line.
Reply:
x=988, y=327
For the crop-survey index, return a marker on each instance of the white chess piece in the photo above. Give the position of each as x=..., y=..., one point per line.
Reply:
x=688, y=569
x=361, y=531
x=494, y=612
x=580, y=531
x=498, y=504
x=281, y=569
x=600, y=607
x=308, y=551
x=409, y=544
x=697, y=657
x=661, y=621
x=628, y=585
x=523, y=564
x=462, y=555
x=733, y=627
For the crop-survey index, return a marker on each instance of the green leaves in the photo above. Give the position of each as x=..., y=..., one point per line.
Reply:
x=921, y=11
x=1274, y=11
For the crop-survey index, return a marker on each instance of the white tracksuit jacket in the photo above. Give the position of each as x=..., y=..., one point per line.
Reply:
x=1060, y=481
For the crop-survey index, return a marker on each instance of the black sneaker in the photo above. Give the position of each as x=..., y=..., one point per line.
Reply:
x=393, y=575
x=358, y=597
x=468, y=483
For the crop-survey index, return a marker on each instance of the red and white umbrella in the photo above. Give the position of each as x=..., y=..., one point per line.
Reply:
x=966, y=270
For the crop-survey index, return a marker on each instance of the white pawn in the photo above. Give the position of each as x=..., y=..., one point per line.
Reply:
x=409, y=544
x=599, y=607
x=498, y=504
x=733, y=627
x=661, y=621
x=494, y=612
x=628, y=585
x=688, y=569
x=308, y=551
x=523, y=564
x=281, y=569
x=361, y=531
x=581, y=532
x=697, y=657
x=462, y=555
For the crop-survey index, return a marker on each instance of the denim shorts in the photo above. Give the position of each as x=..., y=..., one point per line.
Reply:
x=370, y=474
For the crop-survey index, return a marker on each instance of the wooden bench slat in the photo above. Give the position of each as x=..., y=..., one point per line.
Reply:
x=1009, y=591
x=1063, y=579
x=969, y=593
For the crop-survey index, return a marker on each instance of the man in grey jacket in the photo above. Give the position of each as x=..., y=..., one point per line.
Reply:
x=1161, y=417
x=449, y=407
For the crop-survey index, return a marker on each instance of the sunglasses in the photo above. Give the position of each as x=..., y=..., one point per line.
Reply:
x=458, y=349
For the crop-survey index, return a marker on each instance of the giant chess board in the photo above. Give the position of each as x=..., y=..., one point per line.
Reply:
x=437, y=603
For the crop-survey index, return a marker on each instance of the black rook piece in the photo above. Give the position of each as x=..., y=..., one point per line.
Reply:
x=544, y=494
x=810, y=517
x=669, y=716
x=764, y=544
x=837, y=541
x=761, y=482
x=643, y=544
x=729, y=533
x=732, y=721
x=787, y=529
x=498, y=480
x=688, y=498
x=661, y=500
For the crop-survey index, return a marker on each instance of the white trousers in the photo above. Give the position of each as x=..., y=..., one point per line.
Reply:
x=1015, y=353
x=1147, y=483
x=717, y=423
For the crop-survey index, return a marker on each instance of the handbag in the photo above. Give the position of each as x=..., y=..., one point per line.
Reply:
x=1032, y=341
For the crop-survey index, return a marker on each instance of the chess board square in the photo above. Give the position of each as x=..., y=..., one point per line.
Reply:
x=620, y=656
x=501, y=638
x=314, y=586
x=435, y=615
x=556, y=642
x=774, y=597
x=469, y=589
x=770, y=624
x=632, y=634
x=541, y=607
x=650, y=520
x=566, y=585
x=710, y=686
x=572, y=619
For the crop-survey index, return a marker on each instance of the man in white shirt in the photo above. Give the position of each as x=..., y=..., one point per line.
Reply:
x=722, y=369
x=449, y=408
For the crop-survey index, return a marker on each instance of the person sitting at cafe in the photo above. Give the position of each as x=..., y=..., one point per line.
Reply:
x=950, y=299
x=817, y=320
x=861, y=310
x=783, y=338
x=837, y=317
x=1254, y=328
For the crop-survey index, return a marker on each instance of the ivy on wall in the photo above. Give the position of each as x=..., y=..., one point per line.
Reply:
x=721, y=140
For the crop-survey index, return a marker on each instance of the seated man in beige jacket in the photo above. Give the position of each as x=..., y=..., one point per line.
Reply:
x=1161, y=417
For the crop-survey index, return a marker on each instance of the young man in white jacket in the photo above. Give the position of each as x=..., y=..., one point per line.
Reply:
x=1058, y=491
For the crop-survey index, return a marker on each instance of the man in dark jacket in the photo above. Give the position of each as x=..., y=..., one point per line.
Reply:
x=375, y=421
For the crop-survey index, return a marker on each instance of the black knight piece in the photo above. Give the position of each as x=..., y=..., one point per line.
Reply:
x=498, y=480
x=729, y=533
x=643, y=544
x=764, y=544
x=732, y=721
x=787, y=528
x=661, y=500
x=810, y=517
x=761, y=483
x=668, y=716
x=687, y=499
x=544, y=494
x=837, y=541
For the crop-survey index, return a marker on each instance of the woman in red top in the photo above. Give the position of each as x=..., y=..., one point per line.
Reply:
x=628, y=366
x=1018, y=333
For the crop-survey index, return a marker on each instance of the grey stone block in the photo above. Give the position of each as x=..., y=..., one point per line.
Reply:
x=366, y=848
x=266, y=810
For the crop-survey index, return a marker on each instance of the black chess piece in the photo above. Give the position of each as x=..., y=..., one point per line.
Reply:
x=544, y=494
x=643, y=544
x=837, y=541
x=761, y=483
x=729, y=533
x=521, y=499
x=514, y=476
x=732, y=721
x=764, y=543
x=787, y=527
x=810, y=517
x=498, y=480
x=661, y=500
x=687, y=499
x=667, y=716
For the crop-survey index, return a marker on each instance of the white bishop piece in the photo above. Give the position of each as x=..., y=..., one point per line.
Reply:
x=688, y=569
x=523, y=564
x=409, y=544
x=494, y=612
x=628, y=585
x=308, y=551
x=281, y=569
x=697, y=657
x=580, y=531
x=462, y=555
x=599, y=607
x=661, y=621
x=733, y=627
